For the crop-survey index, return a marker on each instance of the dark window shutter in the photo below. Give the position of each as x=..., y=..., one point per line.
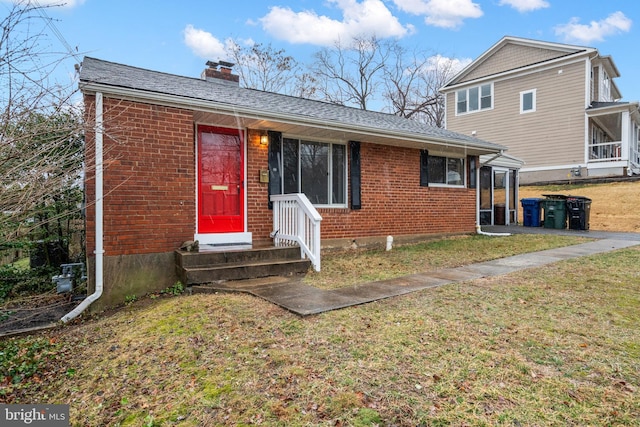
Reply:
x=472, y=161
x=355, y=175
x=424, y=168
x=275, y=164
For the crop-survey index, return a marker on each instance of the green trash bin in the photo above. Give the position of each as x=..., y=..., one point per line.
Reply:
x=555, y=211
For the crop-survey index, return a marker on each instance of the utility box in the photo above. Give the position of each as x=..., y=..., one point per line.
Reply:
x=70, y=273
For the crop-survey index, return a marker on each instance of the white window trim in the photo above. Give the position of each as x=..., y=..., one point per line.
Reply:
x=330, y=167
x=463, y=177
x=533, y=101
x=479, y=87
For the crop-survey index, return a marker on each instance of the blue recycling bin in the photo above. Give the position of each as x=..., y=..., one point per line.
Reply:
x=531, y=212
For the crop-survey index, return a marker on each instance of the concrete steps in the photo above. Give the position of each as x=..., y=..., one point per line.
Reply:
x=228, y=264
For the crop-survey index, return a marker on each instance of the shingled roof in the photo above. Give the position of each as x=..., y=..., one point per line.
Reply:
x=198, y=94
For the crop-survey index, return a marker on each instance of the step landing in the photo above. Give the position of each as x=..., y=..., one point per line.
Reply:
x=229, y=264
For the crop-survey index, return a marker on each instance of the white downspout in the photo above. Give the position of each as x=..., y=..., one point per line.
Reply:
x=99, y=251
x=478, y=189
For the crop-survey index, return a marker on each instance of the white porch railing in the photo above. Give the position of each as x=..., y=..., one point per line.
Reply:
x=605, y=152
x=297, y=222
x=635, y=158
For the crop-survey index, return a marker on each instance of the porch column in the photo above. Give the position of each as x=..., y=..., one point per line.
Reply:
x=626, y=133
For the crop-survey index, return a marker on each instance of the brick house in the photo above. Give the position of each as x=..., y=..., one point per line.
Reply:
x=182, y=159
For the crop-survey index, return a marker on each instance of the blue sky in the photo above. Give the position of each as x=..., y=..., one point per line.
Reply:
x=180, y=36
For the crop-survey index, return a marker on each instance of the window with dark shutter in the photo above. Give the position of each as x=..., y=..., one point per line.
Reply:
x=471, y=160
x=355, y=175
x=424, y=168
x=275, y=174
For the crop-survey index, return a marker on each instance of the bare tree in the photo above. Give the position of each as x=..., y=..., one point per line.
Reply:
x=367, y=72
x=351, y=74
x=264, y=67
x=412, y=86
x=305, y=86
x=40, y=131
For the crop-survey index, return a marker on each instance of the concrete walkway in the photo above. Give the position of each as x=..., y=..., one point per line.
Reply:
x=304, y=300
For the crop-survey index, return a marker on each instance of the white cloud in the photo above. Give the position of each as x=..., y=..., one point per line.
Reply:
x=203, y=43
x=525, y=5
x=369, y=17
x=615, y=23
x=453, y=65
x=442, y=13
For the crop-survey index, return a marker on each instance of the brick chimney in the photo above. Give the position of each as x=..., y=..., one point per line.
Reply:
x=222, y=75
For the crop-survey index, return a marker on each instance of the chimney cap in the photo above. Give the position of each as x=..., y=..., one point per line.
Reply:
x=212, y=64
x=226, y=64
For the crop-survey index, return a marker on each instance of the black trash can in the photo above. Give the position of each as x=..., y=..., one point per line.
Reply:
x=578, y=212
x=531, y=212
x=555, y=211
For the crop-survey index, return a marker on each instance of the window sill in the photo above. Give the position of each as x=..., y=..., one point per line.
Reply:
x=436, y=185
x=473, y=112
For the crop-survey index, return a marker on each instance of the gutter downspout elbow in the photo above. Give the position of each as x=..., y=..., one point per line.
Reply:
x=484, y=233
x=99, y=251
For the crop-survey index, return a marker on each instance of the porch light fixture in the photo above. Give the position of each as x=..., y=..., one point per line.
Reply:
x=264, y=139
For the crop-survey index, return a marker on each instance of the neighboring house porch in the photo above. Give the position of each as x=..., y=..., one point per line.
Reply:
x=613, y=145
x=555, y=106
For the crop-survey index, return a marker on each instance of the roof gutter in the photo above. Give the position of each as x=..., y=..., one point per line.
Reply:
x=214, y=107
x=500, y=154
x=99, y=251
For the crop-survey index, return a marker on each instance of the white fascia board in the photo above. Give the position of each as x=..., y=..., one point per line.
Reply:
x=228, y=109
x=523, y=42
x=610, y=109
x=520, y=72
x=554, y=167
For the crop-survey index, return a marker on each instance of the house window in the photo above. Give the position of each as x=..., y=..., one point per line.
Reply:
x=474, y=99
x=317, y=169
x=462, y=101
x=528, y=101
x=605, y=93
x=446, y=170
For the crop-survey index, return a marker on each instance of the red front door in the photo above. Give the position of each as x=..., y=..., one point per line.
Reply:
x=220, y=180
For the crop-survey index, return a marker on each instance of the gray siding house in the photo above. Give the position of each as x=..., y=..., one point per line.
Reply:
x=555, y=106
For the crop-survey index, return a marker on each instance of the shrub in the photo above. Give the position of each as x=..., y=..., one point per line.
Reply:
x=15, y=281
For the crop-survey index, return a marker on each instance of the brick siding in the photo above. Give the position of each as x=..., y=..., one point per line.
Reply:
x=393, y=202
x=149, y=178
x=150, y=187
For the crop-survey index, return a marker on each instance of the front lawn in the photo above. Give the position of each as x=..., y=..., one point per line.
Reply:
x=556, y=345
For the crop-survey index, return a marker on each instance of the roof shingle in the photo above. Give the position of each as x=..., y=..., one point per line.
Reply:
x=96, y=71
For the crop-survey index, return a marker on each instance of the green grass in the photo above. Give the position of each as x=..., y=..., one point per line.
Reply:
x=552, y=346
x=22, y=264
x=348, y=268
